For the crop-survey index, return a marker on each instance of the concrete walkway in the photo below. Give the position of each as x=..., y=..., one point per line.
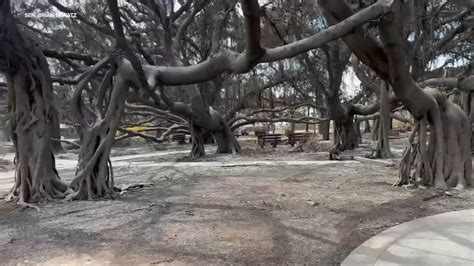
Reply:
x=443, y=239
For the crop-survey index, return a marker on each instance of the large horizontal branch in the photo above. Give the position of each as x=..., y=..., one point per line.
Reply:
x=395, y=116
x=290, y=107
x=252, y=120
x=331, y=33
x=131, y=133
x=162, y=138
x=463, y=83
x=141, y=123
x=72, y=143
x=360, y=109
x=233, y=62
x=266, y=110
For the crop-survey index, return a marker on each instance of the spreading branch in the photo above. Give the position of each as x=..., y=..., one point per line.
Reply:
x=228, y=61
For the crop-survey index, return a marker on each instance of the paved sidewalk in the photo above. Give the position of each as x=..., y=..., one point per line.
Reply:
x=443, y=239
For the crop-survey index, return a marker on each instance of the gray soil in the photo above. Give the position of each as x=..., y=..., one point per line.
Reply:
x=259, y=208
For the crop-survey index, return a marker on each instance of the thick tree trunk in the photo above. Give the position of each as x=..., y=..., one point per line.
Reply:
x=345, y=134
x=307, y=125
x=213, y=122
x=383, y=144
x=358, y=132
x=94, y=175
x=445, y=120
x=457, y=134
x=226, y=141
x=197, y=141
x=423, y=106
x=466, y=97
x=324, y=126
x=208, y=137
x=324, y=129
x=203, y=117
x=29, y=84
x=467, y=103
x=375, y=129
x=36, y=177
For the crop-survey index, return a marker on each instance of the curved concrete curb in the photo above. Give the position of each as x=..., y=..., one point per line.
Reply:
x=446, y=238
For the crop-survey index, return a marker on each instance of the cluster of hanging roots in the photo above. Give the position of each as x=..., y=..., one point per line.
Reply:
x=417, y=166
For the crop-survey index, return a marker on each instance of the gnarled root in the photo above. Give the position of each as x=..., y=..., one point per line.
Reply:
x=36, y=182
x=94, y=177
x=93, y=182
x=415, y=166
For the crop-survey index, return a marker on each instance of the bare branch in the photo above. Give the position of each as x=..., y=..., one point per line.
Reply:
x=84, y=79
x=81, y=18
x=156, y=111
x=242, y=103
x=88, y=59
x=218, y=29
x=277, y=110
x=185, y=24
x=395, y=116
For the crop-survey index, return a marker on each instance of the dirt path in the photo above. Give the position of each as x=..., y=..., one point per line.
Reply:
x=219, y=212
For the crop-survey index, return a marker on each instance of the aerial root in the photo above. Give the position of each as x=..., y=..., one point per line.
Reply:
x=410, y=160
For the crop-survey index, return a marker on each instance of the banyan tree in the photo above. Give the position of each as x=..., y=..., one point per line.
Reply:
x=147, y=51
